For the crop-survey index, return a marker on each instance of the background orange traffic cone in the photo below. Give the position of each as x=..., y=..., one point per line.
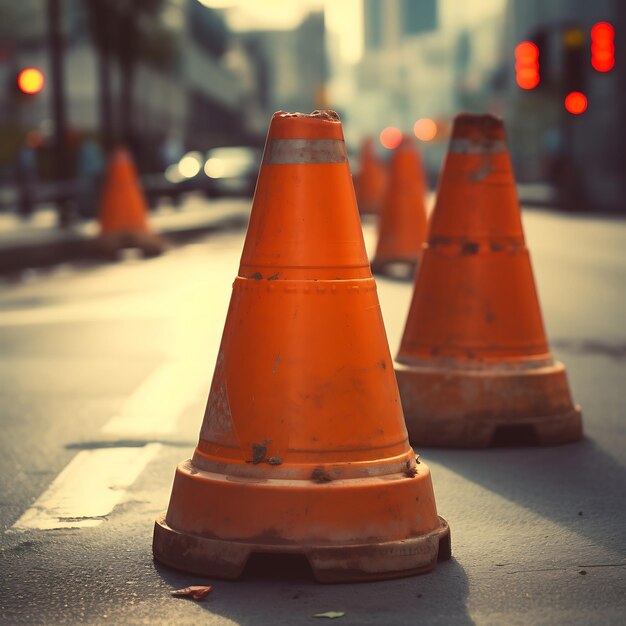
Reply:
x=474, y=363
x=303, y=448
x=402, y=226
x=123, y=210
x=371, y=180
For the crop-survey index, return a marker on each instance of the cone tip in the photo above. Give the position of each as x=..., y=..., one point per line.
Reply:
x=321, y=114
x=320, y=124
x=478, y=126
x=120, y=153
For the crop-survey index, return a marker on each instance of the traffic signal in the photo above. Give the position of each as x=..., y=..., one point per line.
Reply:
x=530, y=61
x=574, y=66
x=574, y=59
x=602, y=47
x=527, y=65
x=575, y=102
x=30, y=81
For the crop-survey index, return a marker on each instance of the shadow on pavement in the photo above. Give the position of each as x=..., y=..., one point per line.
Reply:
x=578, y=486
x=282, y=591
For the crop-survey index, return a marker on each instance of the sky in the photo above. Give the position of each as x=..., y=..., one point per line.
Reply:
x=343, y=17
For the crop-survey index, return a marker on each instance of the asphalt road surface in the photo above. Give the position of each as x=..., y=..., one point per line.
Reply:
x=104, y=372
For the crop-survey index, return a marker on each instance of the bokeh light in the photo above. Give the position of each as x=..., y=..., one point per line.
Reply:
x=190, y=164
x=527, y=65
x=425, y=129
x=602, y=47
x=214, y=168
x=390, y=137
x=30, y=80
x=576, y=102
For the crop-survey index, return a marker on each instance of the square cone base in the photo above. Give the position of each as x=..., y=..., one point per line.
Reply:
x=503, y=404
x=219, y=558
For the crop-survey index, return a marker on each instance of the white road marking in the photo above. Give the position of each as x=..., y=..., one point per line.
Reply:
x=88, y=489
x=95, y=481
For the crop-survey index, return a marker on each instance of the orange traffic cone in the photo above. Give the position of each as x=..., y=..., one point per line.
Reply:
x=303, y=448
x=370, y=180
x=402, y=227
x=123, y=209
x=474, y=367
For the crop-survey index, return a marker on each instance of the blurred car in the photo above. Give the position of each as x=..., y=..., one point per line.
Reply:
x=225, y=171
x=232, y=171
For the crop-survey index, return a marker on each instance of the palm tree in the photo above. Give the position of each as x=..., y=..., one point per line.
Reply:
x=127, y=32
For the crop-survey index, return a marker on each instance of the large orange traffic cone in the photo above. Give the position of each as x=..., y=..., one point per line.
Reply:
x=402, y=226
x=123, y=210
x=474, y=362
x=370, y=180
x=303, y=448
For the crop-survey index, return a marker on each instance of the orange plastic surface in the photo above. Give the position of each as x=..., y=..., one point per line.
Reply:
x=402, y=226
x=474, y=358
x=123, y=207
x=303, y=440
x=371, y=180
x=475, y=295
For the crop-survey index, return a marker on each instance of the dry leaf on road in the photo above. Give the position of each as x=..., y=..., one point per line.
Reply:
x=197, y=592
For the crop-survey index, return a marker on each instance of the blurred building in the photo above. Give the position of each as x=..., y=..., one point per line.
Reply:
x=291, y=64
x=161, y=82
x=435, y=58
x=425, y=59
x=584, y=155
x=406, y=71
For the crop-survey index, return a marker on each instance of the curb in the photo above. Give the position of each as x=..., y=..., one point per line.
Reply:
x=75, y=246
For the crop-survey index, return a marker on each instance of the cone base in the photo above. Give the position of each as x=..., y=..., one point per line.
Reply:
x=400, y=268
x=110, y=244
x=365, y=528
x=499, y=404
x=330, y=564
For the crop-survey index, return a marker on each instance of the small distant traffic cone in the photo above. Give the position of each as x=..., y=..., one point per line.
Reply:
x=402, y=225
x=370, y=180
x=123, y=210
x=303, y=448
x=474, y=367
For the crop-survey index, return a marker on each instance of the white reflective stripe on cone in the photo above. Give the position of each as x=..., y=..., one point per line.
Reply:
x=292, y=151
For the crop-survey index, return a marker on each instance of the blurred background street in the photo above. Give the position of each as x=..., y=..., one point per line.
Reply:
x=106, y=360
x=189, y=87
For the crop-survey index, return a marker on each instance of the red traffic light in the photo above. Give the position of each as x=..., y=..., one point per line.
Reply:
x=527, y=65
x=30, y=80
x=602, y=47
x=576, y=102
